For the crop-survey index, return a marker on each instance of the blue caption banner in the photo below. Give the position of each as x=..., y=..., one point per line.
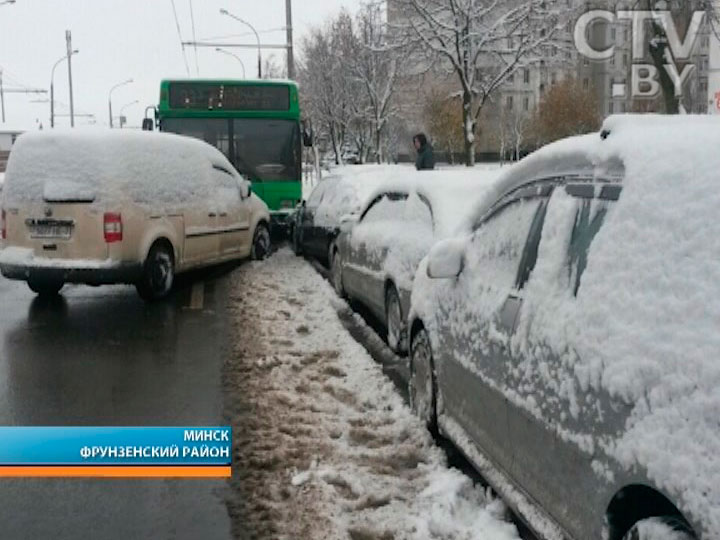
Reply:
x=199, y=446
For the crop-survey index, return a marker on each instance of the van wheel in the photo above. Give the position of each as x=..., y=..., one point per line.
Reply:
x=261, y=243
x=396, y=331
x=659, y=528
x=44, y=287
x=158, y=274
x=423, y=384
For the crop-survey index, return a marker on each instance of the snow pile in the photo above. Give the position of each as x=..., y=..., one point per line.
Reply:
x=638, y=346
x=324, y=445
x=103, y=167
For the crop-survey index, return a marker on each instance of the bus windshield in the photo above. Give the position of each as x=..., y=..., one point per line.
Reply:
x=265, y=149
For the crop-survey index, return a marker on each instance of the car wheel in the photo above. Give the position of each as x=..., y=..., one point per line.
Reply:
x=261, y=243
x=158, y=274
x=44, y=287
x=423, y=386
x=659, y=528
x=336, y=270
x=396, y=331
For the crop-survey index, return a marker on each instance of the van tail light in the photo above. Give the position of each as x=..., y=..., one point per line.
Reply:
x=3, y=225
x=113, y=228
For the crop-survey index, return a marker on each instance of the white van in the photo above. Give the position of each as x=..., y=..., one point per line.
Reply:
x=123, y=207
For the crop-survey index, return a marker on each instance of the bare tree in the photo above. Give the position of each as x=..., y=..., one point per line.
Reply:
x=348, y=76
x=376, y=65
x=482, y=42
x=684, y=15
x=272, y=69
x=324, y=87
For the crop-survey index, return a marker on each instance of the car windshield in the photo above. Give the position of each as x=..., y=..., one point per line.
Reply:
x=266, y=150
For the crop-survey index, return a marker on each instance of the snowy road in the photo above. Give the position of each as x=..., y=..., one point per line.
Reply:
x=325, y=447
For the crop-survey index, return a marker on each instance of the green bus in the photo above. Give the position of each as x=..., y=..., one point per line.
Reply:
x=255, y=123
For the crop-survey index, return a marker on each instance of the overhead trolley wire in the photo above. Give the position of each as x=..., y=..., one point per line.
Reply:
x=177, y=25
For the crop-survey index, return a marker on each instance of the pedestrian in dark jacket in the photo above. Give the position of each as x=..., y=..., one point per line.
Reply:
x=425, y=160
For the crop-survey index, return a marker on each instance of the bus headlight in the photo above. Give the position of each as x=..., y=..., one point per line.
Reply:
x=287, y=204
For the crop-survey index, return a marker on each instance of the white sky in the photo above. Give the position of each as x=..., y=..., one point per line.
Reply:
x=122, y=39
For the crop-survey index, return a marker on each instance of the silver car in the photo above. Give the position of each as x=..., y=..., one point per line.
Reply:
x=530, y=349
x=376, y=255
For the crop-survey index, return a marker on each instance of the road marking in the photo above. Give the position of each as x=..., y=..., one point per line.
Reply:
x=197, y=296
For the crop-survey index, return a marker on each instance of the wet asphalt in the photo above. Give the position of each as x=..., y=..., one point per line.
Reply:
x=101, y=356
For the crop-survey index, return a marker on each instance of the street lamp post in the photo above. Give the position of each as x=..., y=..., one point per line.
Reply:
x=235, y=56
x=52, y=88
x=122, y=110
x=257, y=36
x=68, y=42
x=118, y=85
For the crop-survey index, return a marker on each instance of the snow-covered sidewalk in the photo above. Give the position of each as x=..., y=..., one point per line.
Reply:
x=324, y=445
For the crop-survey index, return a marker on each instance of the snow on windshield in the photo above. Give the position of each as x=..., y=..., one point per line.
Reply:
x=92, y=166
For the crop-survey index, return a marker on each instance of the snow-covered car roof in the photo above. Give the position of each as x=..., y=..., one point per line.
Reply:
x=346, y=191
x=625, y=141
x=450, y=192
x=97, y=164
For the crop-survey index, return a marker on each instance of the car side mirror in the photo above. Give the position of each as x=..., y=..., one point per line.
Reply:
x=148, y=124
x=446, y=259
x=245, y=189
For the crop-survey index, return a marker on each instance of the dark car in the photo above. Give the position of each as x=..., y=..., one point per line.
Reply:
x=316, y=222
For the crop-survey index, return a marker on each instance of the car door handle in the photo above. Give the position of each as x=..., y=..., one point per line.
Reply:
x=223, y=214
x=212, y=214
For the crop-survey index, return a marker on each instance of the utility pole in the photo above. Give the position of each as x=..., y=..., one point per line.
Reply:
x=290, y=55
x=68, y=39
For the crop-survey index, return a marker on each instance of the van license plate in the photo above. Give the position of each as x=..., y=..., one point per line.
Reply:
x=50, y=229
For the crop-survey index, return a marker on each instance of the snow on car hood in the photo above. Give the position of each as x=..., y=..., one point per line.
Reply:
x=644, y=325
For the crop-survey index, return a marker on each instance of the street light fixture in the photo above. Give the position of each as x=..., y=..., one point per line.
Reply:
x=257, y=36
x=118, y=85
x=52, y=88
x=122, y=110
x=235, y=56
x=7, y=2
